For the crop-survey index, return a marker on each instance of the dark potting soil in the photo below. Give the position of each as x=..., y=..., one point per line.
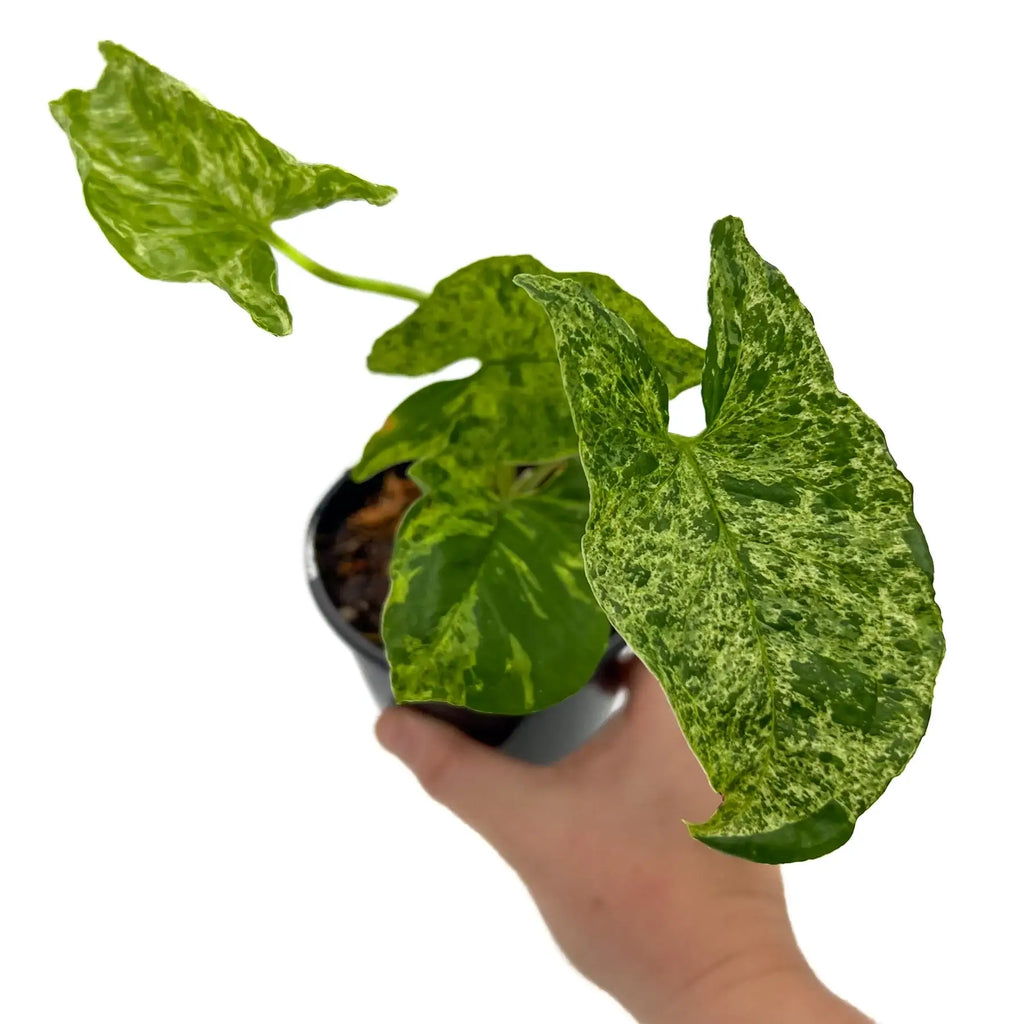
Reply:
x=356, y=558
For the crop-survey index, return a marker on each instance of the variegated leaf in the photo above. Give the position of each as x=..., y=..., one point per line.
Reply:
x=187, y=192
x=478, y=312
x=770, y=571
x=467, y=620
x=417, y=429
x=490, y=607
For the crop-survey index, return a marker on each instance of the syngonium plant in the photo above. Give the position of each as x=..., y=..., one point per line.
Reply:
x=769, y=571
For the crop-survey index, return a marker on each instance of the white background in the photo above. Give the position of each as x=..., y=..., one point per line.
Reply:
x=196, y=822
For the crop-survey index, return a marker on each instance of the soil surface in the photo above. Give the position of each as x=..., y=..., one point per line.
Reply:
x=356, y=559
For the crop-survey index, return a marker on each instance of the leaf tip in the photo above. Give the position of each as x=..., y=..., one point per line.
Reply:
x=111, y=51
x=382, y=195
x=825, y=830
x=360, y=472
x=726, y=228
x=537, y=286
x=279, y=323
x=59, y=109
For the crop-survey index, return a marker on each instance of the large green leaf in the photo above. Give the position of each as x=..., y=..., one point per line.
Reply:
x=770, y=571
x=478, y=312
x=187, y=192
x=490, y=607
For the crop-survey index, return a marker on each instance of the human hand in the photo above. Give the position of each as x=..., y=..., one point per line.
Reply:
x=674, y=930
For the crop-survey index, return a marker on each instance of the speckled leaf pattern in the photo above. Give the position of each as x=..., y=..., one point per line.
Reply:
x=770, y=571
x=479, y=313
x=490, y=606
x=187, y=192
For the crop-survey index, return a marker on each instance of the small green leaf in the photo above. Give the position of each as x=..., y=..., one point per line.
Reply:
x=187, y=192
x=770, y=571
x=490, y=607
x=417, y=429
x=479, y=313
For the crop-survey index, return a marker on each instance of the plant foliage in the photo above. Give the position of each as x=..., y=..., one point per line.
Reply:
x=187, y=192
x=490, y=607
x=769, y=571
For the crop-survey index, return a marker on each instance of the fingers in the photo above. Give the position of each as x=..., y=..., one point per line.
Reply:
x=647, y=700
x=647, y=717
x=491, y=792
x=647, y=741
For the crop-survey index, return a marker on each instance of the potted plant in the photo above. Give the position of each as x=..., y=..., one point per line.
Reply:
x=502, y=531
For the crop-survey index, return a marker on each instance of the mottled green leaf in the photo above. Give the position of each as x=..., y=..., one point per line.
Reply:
x=187, y=192
x=770, y=571
x=417, y=429
x=479, y=313
x=490, y=607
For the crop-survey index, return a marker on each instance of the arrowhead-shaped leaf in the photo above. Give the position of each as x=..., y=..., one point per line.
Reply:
x=490, y=606
x=770, y=571
x=187, y=192
x=478, y=312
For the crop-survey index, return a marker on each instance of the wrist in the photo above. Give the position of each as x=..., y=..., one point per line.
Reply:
x=785, y=1000
x=781, y=993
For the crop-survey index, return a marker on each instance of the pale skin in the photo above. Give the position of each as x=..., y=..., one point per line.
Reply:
x=677, y=932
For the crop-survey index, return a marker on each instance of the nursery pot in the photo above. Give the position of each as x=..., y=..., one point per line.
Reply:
x=540, y=737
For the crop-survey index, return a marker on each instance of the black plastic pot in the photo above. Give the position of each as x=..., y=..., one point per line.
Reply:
x=540, y=737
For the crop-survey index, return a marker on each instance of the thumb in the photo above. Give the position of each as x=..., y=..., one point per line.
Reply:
x=490, y=791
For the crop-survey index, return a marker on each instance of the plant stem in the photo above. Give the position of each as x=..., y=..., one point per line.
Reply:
x=365, y=284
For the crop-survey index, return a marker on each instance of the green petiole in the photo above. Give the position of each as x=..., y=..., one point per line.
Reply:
x=365, y=284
